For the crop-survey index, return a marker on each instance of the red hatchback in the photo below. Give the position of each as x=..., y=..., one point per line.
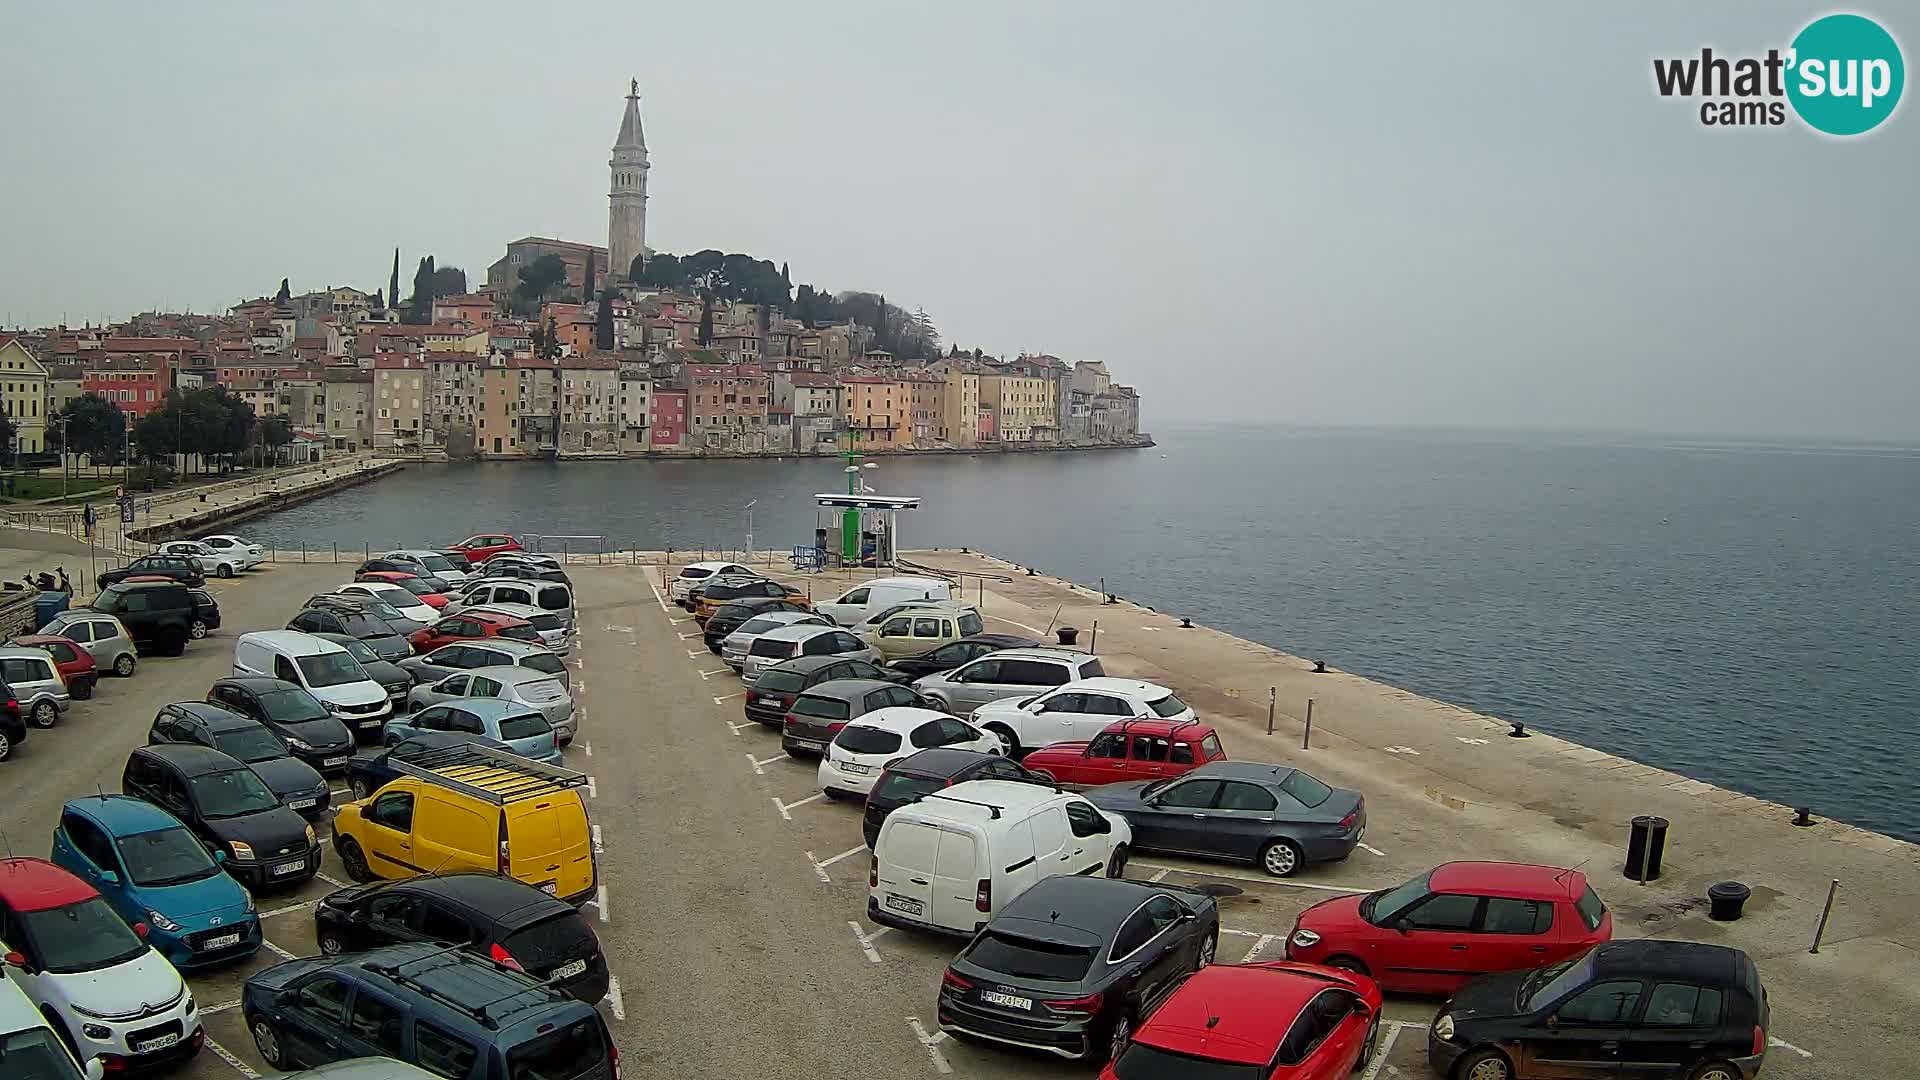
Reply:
x=478, y=549
x=1257, y=1022
x=1150, y=749
x=470, y=625
x=409, y=582
x=74, y=663
x=1454, y=923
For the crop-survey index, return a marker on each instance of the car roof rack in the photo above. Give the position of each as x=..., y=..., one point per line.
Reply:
x=529, y=779
x=1172, y=729
x=993, y=811
x=482, y=1012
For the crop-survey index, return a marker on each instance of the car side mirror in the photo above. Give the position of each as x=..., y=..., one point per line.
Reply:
x=17, y=959
x=219, y=856
x=108, y=877
x=1360, y=1008
x=1553, y=1021
x=1400, y=927
x=140, y=930
x=359, y=915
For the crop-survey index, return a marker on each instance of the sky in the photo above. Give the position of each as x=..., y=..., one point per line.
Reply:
x=1462, y=215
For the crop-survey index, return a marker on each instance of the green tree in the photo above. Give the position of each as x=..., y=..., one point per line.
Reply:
x=587, y=282
x=706, y=317
x=275, y=433
x=537, y=279
x=603, y=322
x=420, y=304
x=449, y=281
x=7, y=432
x=393, y=283
x=95, y=427
x=157, y=435
x=284, y=294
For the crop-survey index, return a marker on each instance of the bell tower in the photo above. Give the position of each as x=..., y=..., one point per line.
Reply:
x=627, y=191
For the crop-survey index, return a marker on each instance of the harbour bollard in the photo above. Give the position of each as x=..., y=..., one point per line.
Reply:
x=1725, y=900
x=1646, y=847
x=1186, y=623
x=1803, y=816
x=1319, y=667
x=1519, y=730
x=1068, y=634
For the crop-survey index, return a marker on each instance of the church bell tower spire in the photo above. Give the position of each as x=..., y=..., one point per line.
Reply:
x=627, y=192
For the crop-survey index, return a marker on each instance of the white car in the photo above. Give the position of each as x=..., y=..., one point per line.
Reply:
x=733, y=647
x=1077, y=711
x=452, y=571
x=694, y=573
x=212, y=563
x=408, y=605
x=74, y=958
x=866, y=746
x=237, y=547
x=786, y=642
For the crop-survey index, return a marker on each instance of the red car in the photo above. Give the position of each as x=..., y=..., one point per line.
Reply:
x=74, y=663
x=1454, y=923
x=409, y=582
x=470, y=625
x=1150, y=749
x=478, y=549
x=1258, y=1022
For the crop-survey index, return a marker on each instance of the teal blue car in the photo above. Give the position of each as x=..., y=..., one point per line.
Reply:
x=153, y=870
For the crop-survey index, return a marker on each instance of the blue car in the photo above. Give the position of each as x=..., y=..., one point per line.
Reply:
x=521, y=727
x=153, y=870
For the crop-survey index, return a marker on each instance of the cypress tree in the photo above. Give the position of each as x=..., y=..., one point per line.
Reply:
x=603, y=323
x=706, y=317
x=393, y=284
x=586, y=286
x=284, y=294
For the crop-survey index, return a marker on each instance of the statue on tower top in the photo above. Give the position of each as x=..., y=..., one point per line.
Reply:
x=633, y=88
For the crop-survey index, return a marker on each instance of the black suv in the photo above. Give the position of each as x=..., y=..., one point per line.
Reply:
x=181, y=568
x=734, y=614
x=511, y=923
x=311, y=733
x=1072, y=964
x=918, y=775
x=159, y=614
x=229, y=808
x=380, y=636
x=202, y=723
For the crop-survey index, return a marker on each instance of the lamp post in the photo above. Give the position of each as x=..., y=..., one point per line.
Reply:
x=749, y=510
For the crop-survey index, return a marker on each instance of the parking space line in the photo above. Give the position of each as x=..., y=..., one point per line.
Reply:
x=723, y=698
x=1034, y=630
x=866, y=943
x=227, y=1056
x=931, y=1042
x=1159, y=876
x=220, y=1008
x=598, y=847
x=1279, y=882
x=330, y=881
x=1373, y=849
x=695, y=634
x=736, y=727
x=1785, y=1045
x=342, y=791
x=593, y=789
x=785, y=807
x=277, y=950
x=289, y=909
x=1258, y=948
x=1239, y=933
x=716, y=671
x=588, y=747
x=619, y=629
x=661, y=600
x=1380, y=1054
x=691, y=655
x=820, y=865
x=614, y=999
x=600, y=902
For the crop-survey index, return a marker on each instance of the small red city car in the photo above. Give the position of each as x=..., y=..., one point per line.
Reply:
x=478, y=549
x=1259, y=1021
x=471, y=625
x=410, y=582
x=74, y=663
x=1454, y=923
x=1150, y=749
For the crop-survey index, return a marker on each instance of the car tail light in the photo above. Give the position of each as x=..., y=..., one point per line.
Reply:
x=1759, y=1041
x=950, y=981
x=1347, y=822
x=613, y=1059
x=1089, y=1004
x=873, y=871
x=14, y=704
x=504, y=958
x=983, y=896
x=787, y=721
x=834, y=729
x=506, y=852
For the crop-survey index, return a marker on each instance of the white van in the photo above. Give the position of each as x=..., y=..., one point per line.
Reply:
x=949, y=861
x=326, y=669
x=853, y=606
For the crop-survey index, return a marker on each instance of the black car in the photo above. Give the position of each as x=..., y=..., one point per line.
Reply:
x=157, y=614
x=918, y=775
x=366, y=775
x=229, y=808
x=820, y=711
x=206, y=613
x=13, y=728
x=716, y=589
x=954, y=653
x=1646, y=1008
x=511, y=923
x=404, y=566
x=374, y=606
x=202, y=723
x=1074, y=963
x=773, y=692
x=391, y=676
x=386, y=642
x=1277, y=818
x=181, y=568
x=291, y=712
x=734, y=614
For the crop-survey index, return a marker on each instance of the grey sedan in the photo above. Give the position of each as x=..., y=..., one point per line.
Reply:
x=479, y=653
x=1277, y=818
x=532, y=688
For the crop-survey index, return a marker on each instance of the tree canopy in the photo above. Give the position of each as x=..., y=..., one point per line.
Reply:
x=537, y=279
x=734, y=277
x=95, y=427
x=448, y=281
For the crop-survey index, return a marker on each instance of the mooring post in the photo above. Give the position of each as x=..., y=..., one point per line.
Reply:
x=1306, y=737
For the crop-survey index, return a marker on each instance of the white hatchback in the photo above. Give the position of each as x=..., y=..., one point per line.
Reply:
x=408, y=605
x=866, y=746
x=1078, y=711
x=694, y=573
x=238, y=548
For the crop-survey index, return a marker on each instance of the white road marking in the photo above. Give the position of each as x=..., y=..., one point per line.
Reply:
x=1034, y=630
x=783, y=807
x=736, y=727
x=931, y=1042
x=1155, y=629
x=598, y=847
x=588, y=747
x=614, y=1001
x=1470, y=742
x=1401, y=750
x=600, y=901
x=1258, y=948
x=330, y=881
x=593, y=790
x=1373, y=849
x=1239, y=933
x=1785, y=1045
x=340, y=792
x=289, y=909
x=756, y=763
x=1159, y=876
x=723, y=698
x=1279, y=882
x=691, y=655
x=660, y=599
x=619, y=629
x=277, y=950
x=759, y=762
x=1380, y=1054
x=866, y=943
x=716, y=671
x=220, y=1008
x=849, y=853
x=227, y=1056
x=695, y=634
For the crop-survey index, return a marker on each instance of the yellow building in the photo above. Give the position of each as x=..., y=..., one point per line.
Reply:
x=959, y=419
x=879, y=412
x=23, y=394
x=1023, y=407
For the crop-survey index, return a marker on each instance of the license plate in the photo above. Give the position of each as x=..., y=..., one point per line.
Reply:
x=906, y=904
x=809, y=744
x=568, y=971
x=151, y=1045
x=363, y=724
x=765, y=700
x=290, y=867
x=550, y=888
x=336, y=761
x=855, y=768
x=221, y=942
x=1011, y=1001
x=303, y=804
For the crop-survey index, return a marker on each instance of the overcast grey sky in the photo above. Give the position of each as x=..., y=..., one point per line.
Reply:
x=1457, y=215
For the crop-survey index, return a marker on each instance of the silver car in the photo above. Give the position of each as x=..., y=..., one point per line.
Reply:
x=436, y=563
x=556, y=633
x=551, y=596
x=524, y=685
x=733, y=647
x=36, y=684
x=102, y=635
x=787, y=642
x=483, y=652
x=1004, y=674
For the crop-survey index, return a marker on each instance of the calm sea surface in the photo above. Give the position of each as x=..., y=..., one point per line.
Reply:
x=1742, y=613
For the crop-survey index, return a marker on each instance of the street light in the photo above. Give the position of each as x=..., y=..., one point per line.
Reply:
x=749, y=509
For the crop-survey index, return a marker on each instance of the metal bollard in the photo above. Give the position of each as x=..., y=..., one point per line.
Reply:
x=1821, y=931
x=1306, y=737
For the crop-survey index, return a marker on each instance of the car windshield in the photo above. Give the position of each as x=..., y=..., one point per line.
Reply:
x=1305, y=789
x=861, y=739
x=85, y=936
x=436, y=563
x=524, y=726
x=780, y=682
x=358, y=649
x=35, y=1053
x=166, y=857
x=579, y=1049
x=1142, y=1062
x=249, y=744
x=545, y=663
x=1021, y=957
x=292, y=706
x=759, y=626
x=234, y=793
x=1167, y=706
x=416, y=586
x=393, y=598
x=1552, y=982
x=361, y=626
x=331, y=669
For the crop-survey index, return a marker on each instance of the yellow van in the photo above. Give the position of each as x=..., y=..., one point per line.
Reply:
x=471, y=807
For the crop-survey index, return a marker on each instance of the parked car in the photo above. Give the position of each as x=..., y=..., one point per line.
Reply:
x=103, y=636
x=692, y=574
x=206, y=614
x=469, y=807
x=403, y=603
x=412, y=568
x=1077, y=711
x=473, y=626
x=514, y=925
x=104, y=990
x=313, y=733
x=865, y=747
x=520, y=728
x=366, y=775
x=921, y=628
x=219, y=564
x=390, y=676
x=924, y=772
x=380, y=636
x=713, y=592
x=1151, y=749
x=954, y=653
x=1004, y=674
x=1453, y=923
x=1275, y=1019
x=362, y=603
x=437, y=563
x=818, y=713
x=73, y=661
x=732, y=615
x=1277, y=818
x=154, y=614
x=13, y=729
x=229, y=808
x=427, y=590
x=153, y=870
x=734, y=647
x=477, y=549
x=484, y=652
x=555, y=632
x=507, y=566
x=297, y=785
x=787, y=642
x=33, y=1047
x=460, y=1015
x=323, y=668
x=37, y=688
x=771, y=695
x=181, y=568
x=238, y=548
x=511, y=683
x=553, y=597
x=1072, y=964
x=1644, y=1008
x=950, y=861
x=853, y=606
